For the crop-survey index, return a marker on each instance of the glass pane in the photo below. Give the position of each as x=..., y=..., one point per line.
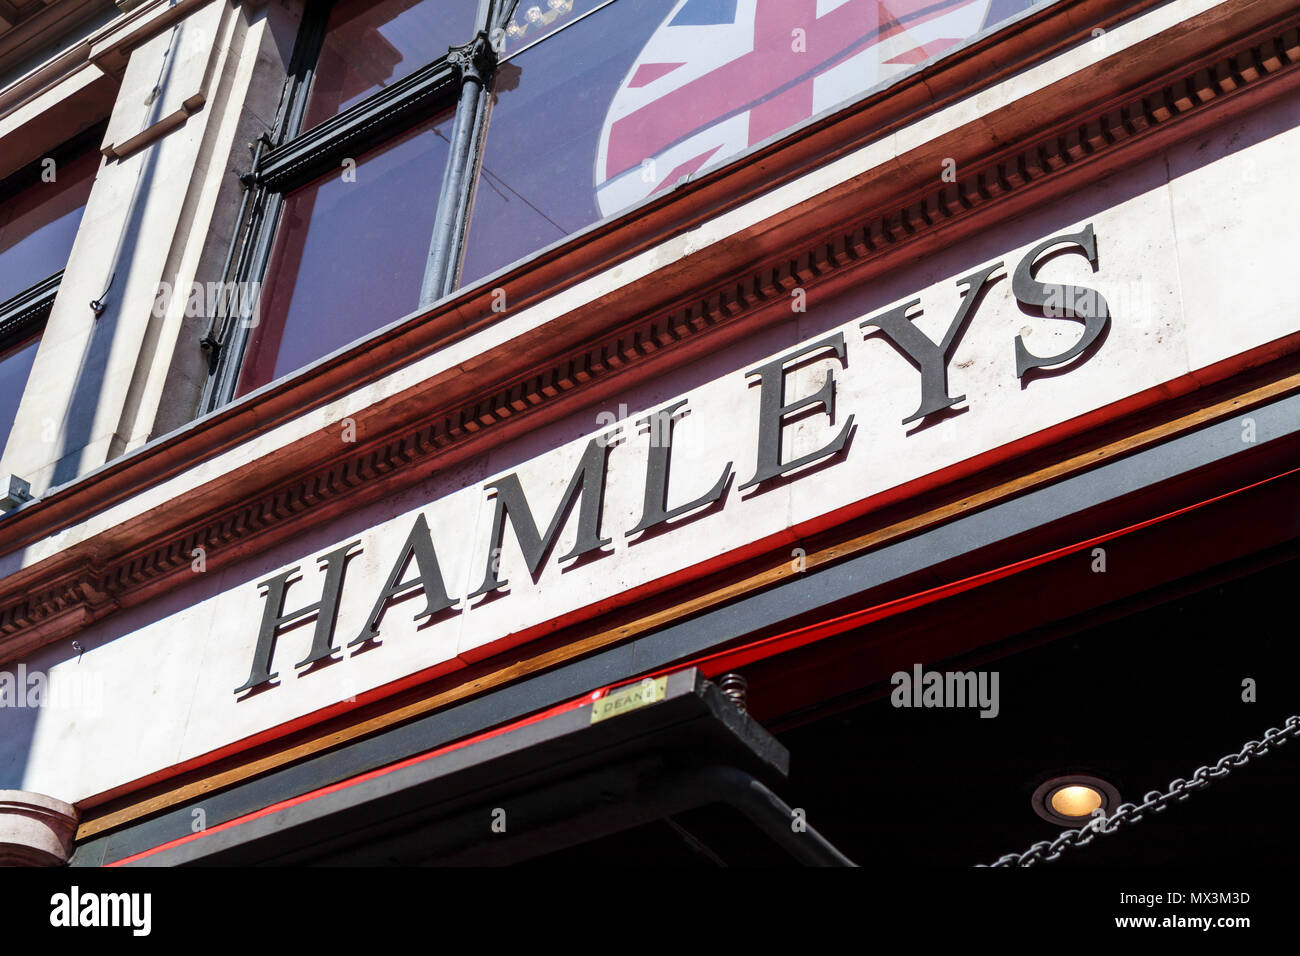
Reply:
x=15, y=369
x=38, y=225
x=369, y=46
x=625, y=102
x=349, y=254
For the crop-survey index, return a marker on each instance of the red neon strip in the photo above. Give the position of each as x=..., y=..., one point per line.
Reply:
x=369, y=775
x=721, y=661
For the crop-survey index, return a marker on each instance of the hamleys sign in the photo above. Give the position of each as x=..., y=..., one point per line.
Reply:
x=776, y=400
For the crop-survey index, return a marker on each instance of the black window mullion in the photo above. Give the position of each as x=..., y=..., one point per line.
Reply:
x=368, y=123
x=477, y=62
x=227, y=337
x=474, y=62
x=227, y=352
x=302, y=70
x=24, y=314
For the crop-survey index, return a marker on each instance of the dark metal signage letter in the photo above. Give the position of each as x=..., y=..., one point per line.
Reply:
x=275, y=620
x=511, y=503
x=656, y=510
x=428, y=579
x=1059, y=301
x=773, y=411
x=931, y=359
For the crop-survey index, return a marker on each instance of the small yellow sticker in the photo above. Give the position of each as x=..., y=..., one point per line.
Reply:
x=649, y=691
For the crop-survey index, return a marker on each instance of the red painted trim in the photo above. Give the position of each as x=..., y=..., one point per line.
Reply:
x=369, y=775
x=722, y=661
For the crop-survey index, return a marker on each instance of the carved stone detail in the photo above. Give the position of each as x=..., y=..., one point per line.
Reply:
x=35, y=830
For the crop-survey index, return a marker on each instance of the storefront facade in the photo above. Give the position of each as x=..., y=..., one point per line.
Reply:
x=413, y=441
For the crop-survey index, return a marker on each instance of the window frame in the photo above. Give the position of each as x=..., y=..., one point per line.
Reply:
x=27, y=312
x=289, y=157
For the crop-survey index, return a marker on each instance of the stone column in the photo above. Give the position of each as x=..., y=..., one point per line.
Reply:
x=35, y=830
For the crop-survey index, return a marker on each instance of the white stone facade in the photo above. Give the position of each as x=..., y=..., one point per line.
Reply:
x=1195, y=257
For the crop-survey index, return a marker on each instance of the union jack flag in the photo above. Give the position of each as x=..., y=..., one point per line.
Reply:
x=718, y=76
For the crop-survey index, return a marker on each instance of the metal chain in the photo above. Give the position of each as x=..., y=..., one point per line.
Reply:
x=1046, y=851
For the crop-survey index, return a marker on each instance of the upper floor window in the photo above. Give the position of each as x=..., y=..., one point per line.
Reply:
x=39, y=219
x=349, y=254
x=40, y=211
x=426, y=144
x=623, y=104
x=15, y=369
x=349, y=219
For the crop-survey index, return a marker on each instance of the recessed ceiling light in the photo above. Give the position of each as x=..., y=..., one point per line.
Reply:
x=1070, y=800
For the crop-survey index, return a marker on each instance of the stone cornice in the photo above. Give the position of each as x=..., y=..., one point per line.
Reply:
x=870, y=227
x=35, y=30
x=105, y=50
x=142, y=22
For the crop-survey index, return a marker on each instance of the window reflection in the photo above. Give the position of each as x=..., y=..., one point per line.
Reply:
x=624, y=103
x=349, y=254
x=15, y=369
x=39, y=224
x=535, y=20
x=369, y=46
x=549, y=102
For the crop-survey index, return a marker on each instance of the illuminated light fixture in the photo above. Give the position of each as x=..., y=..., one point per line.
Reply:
x=1070, y=800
